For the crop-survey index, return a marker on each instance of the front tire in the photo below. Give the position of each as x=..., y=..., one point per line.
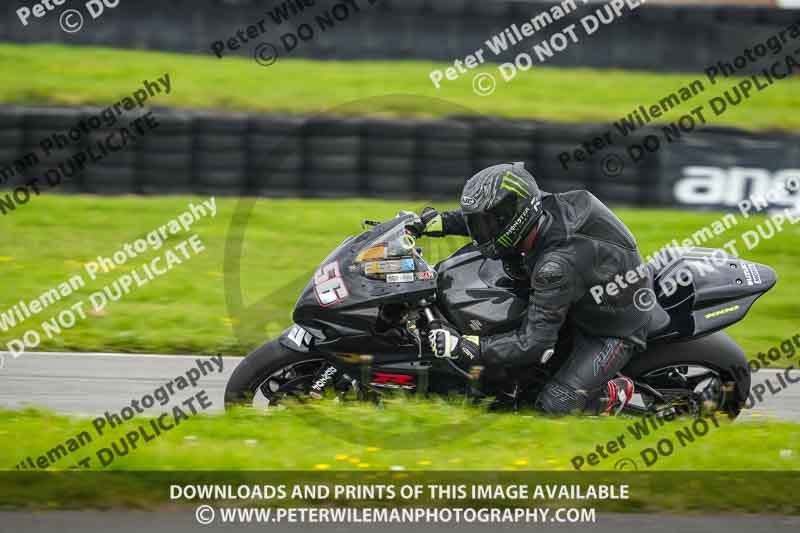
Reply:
x=270, y=358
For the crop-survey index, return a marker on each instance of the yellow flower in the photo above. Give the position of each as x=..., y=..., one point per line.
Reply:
x=363, y=465
x=341, y=457
x=322, y=466
x=354, y=460
x=424, y=462
x=521, y=462
x=372, y=449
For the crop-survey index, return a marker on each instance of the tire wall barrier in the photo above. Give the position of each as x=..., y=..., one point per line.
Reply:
x=200, y=152
x=685, y=38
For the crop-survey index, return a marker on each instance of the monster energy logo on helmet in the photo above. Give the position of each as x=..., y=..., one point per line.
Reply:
x=512, y=235
x=523, y=221
x=515, y=184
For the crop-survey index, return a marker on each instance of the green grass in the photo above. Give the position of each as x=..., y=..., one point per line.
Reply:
x=412, y=434
x=50, y=239
x=399, y=444
x=35, y=74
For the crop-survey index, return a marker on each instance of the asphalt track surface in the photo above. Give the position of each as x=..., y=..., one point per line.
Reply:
x=88, y=384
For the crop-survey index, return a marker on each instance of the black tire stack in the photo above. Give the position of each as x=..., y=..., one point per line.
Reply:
x=504, y=141
x=277, y=154
x=333, y=157
x=219, y=153
x=552, y=140
x=389, y=157
x=444, y=157
x=41, y=123
x=165, y=155
x=191, y=152
x=620, y=180
x=12, y=138
x=114, y=172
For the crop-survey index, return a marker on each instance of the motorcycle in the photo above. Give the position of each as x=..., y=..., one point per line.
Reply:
x=360, y=329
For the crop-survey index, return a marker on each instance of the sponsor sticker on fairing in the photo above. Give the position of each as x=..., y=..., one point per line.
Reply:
x=405, y=277
x=751, y=274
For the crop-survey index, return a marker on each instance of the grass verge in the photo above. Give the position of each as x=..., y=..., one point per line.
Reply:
x=726, y=467
x=407, y=434
x=35, y=74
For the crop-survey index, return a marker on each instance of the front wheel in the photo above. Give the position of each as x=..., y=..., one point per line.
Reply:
x=693, y=377
x=270, y=373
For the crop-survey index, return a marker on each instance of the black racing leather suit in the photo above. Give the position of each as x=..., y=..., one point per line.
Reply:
x=581, y=244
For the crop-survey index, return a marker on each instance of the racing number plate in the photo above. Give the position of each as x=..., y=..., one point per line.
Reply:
x=329, y=287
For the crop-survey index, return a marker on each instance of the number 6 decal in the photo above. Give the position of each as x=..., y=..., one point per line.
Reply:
x=328, y=285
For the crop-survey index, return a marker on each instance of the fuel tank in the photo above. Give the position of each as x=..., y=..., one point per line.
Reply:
x=477, y=296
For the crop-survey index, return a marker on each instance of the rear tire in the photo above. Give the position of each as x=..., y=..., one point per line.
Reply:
x=718, y=352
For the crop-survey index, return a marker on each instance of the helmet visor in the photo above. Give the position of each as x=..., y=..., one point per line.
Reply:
x=483, y=227
x=488, y=225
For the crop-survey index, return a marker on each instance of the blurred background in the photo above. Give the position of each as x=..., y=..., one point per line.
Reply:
x=224, y=129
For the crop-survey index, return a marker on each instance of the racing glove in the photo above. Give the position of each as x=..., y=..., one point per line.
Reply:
x=430, y=223
x=448, y=343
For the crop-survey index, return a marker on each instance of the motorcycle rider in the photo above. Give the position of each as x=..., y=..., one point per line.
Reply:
x=564, y=244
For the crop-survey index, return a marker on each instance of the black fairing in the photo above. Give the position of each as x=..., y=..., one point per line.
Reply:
x=347, y=311
x=718, y=292
x=477, y=296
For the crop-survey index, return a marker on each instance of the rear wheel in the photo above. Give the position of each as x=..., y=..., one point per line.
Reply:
x=693, y=378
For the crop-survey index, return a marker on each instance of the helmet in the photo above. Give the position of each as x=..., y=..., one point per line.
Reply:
x=501, y=205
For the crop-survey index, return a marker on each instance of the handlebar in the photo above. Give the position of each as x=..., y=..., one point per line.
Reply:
x=419, y=225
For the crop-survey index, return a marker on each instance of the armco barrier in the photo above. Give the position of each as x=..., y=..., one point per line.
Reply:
x=284, y=155
x=652, y=37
